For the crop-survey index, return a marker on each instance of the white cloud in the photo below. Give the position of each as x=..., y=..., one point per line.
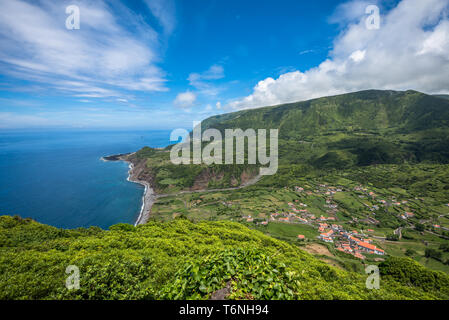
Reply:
x=306, y=52
x=349, y=12
x=185, y=99
x=164, y=11
x=201, y=81
x=213, y=73
x=358, y=55
x=104, y=57
x=409, y=51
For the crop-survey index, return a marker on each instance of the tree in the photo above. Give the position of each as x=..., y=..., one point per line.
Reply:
x=393, y=237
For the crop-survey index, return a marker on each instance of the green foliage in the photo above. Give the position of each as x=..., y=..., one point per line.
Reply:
x=112, y=276
x=122, y=227
x=410, y=273
x=393, y=237
x=252, y=274
x=145, y=152
x=178, y=259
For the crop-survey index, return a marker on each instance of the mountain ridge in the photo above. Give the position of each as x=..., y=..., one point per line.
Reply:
x=407, y=109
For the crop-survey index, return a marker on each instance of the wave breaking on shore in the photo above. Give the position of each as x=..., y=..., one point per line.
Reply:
x=149, y=196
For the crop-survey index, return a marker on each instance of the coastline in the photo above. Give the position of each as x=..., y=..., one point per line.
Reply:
x=149, y=196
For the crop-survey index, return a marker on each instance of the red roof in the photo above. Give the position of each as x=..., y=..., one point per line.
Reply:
x=367, y=245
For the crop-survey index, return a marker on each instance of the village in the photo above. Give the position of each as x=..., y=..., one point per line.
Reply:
x=352, y=242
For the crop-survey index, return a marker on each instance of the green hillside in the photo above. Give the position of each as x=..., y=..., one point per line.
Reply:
x=403, y=112
x=362, y=128
x=180, y=259
x=341, y=132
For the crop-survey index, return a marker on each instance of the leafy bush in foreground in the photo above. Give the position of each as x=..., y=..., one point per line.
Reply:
x=251, y=273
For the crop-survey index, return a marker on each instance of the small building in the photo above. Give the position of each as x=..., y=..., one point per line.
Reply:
x=327, y=239
x=360, y=256
x=370, y=248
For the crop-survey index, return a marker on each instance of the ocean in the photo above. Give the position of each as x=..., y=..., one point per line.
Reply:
x=58, y=177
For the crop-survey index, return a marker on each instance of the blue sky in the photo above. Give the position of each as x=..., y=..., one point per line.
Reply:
x=156, y=64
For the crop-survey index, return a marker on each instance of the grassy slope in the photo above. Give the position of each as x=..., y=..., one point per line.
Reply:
x=180, y=259
x=366, y=110
x=362, y=128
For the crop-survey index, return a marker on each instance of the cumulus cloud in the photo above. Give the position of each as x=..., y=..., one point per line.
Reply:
x=185, y=99
x=106, y=55
x=410, y=50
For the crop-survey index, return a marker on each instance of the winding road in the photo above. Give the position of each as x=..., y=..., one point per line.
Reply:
x=151, y=197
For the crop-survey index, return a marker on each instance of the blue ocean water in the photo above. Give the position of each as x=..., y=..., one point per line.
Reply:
x=57, y=177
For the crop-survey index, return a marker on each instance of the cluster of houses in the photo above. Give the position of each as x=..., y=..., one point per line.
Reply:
x=349, y=242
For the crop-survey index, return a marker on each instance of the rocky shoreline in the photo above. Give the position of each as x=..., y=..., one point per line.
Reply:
x=137, y=172
x=149, y=196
